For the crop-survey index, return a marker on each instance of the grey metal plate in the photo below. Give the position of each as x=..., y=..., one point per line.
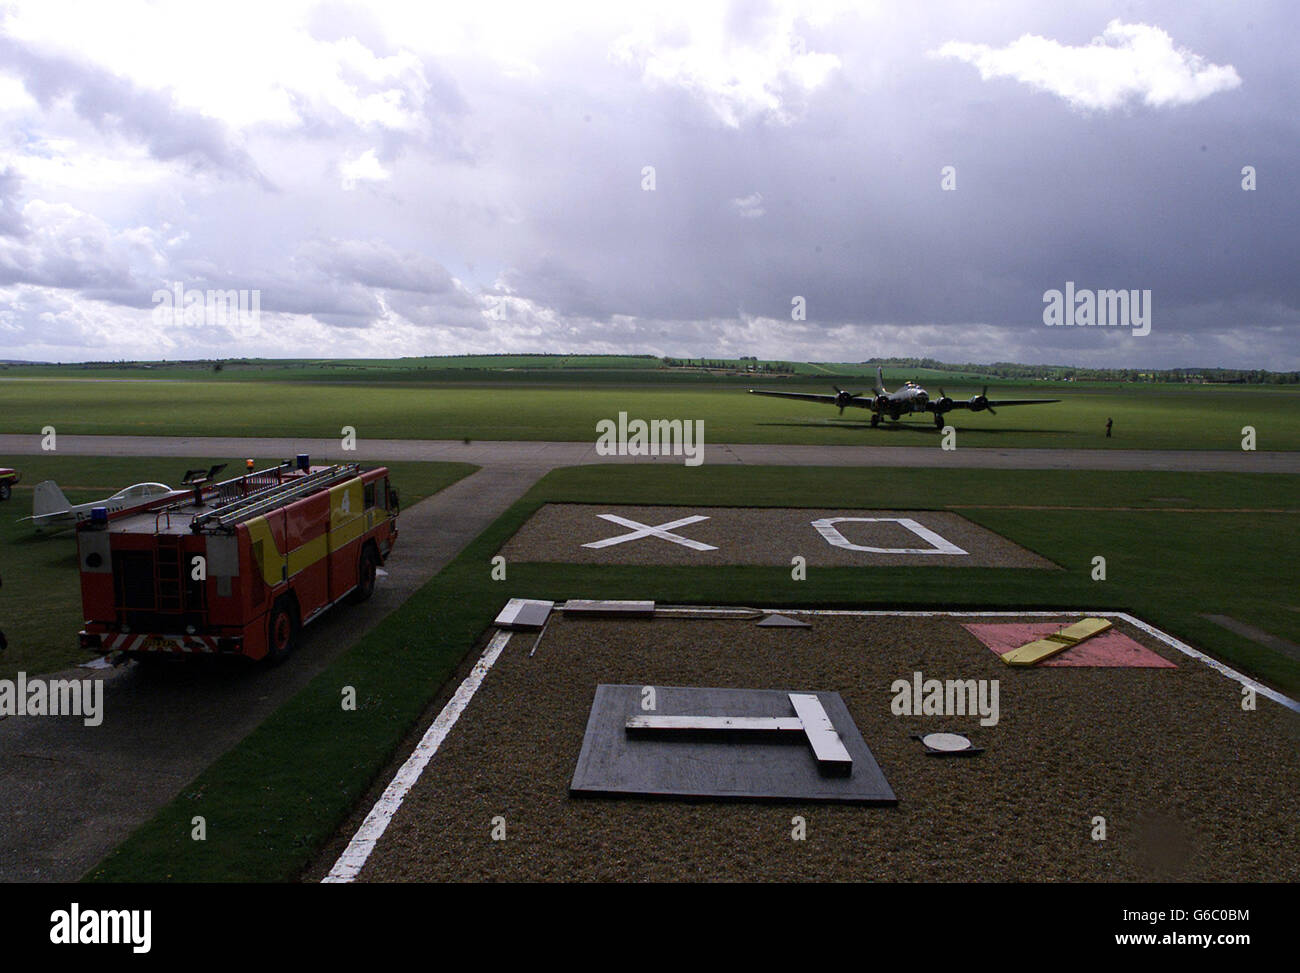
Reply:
x=744, y=767
x=524, y=613
x=782, y=621
x=948, y=742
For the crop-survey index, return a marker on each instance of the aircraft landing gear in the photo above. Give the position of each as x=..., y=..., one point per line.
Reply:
x=938, y=420
x=875, y=421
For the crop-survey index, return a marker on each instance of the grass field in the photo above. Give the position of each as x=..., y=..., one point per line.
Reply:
x=1177, y=545
x=1146, y=417
x=40, y=602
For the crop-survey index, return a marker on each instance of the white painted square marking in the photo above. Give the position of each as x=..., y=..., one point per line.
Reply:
x=938, y=545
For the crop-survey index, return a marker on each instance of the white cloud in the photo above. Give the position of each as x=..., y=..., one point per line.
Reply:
x=65, y=247
x=1127, y=62
x=750, y=207
x=60, y=166
x=364, y=168
x=13, y=96
x=759, y=68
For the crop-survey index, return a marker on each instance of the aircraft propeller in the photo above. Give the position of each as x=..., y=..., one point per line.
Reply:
x=843, y=398
x=944, y=404
x=979, y=403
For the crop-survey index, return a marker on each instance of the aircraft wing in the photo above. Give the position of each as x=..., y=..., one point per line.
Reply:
x=861, y=402
x=992, y=403
x=50, y=519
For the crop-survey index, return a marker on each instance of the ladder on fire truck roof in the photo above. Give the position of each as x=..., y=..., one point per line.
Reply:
x=269, y=498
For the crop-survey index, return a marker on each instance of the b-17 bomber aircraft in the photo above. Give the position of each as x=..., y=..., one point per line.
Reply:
x=909, y=399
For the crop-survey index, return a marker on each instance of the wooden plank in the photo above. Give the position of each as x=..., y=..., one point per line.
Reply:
x=1044, y=648
x=581, y=606
x=824, y=738
x=716, y=724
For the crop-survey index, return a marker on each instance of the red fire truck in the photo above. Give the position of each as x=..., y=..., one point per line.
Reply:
x=237, y=567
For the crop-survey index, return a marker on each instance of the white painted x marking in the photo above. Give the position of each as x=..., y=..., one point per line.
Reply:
x=664, y=531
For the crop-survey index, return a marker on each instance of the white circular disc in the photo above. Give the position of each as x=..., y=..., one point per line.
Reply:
x=947, y=742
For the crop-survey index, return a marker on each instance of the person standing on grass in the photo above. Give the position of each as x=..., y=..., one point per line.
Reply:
x=1109, y=422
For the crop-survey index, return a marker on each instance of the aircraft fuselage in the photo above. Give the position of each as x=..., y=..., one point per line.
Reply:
x=907, y=400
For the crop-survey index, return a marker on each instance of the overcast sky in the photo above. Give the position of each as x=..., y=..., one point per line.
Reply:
x=430, y=178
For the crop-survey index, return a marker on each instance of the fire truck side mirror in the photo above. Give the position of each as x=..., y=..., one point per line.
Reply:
x=393, y=503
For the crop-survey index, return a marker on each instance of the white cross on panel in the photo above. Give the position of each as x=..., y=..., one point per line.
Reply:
x=639, y=530
x=810, y=719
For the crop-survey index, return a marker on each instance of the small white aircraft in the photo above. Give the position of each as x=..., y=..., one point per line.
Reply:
x=51, y=509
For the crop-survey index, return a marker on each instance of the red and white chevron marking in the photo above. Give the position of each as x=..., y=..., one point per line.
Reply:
x=133, y=642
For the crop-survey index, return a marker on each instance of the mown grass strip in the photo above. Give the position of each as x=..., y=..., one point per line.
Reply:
x=1197, y=417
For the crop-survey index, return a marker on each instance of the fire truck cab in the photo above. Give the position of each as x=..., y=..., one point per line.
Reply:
x=237, y=567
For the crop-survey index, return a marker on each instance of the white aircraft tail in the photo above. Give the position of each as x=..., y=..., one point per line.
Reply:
x=880, y=381
x=47, y=499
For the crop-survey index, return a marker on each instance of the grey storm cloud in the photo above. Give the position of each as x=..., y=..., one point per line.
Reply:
x=375, y=264
x=59, y=246
x=11, y=217
x=1105, y=152
x=113, y=103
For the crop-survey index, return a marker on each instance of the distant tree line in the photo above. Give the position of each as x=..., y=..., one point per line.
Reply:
x=1068, y=373
x=749, y=363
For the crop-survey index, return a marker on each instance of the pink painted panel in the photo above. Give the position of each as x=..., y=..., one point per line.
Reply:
x=1109, y=649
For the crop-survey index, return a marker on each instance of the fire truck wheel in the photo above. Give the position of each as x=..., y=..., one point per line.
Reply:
x=366, y=569
x=4, y=491
x=281, y=632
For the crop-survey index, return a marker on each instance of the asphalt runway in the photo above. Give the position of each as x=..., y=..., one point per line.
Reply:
x=69, y=796
x=538, y=457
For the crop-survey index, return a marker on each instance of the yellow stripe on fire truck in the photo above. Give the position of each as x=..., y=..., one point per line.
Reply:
x=348, y=520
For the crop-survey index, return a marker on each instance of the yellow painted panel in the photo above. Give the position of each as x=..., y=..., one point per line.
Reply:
x=348, y=517
x=269, y=559
x=347, y=502
x=348, y=520
x=307, y=554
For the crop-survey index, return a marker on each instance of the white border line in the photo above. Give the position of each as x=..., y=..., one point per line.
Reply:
x=1259, y=688
x=372, y=828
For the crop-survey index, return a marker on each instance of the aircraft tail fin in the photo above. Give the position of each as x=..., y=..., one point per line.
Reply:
x=47, y=498
x=880, y=381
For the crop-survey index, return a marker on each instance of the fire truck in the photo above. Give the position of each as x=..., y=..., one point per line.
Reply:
x=8, y=478
x=237, y=567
